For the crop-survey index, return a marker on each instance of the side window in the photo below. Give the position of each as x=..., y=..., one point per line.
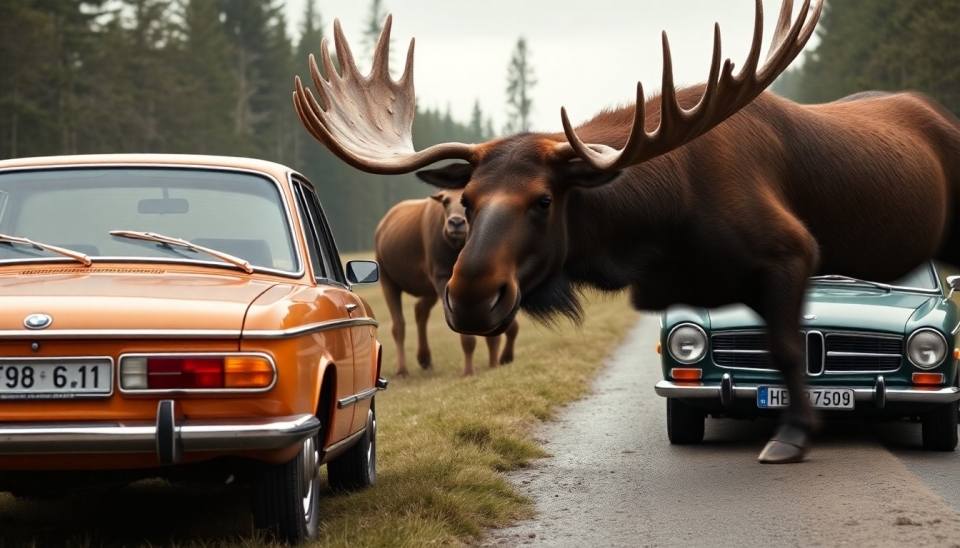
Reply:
x=315, y=228
x=320, y=266
x=331, y=246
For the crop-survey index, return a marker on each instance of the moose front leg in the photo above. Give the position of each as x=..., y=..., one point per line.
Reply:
x=782, y=302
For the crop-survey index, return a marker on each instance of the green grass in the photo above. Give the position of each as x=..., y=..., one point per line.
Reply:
x=443, y=442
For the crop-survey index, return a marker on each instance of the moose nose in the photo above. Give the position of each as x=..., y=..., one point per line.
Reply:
x=456, y=222
x=480, y=308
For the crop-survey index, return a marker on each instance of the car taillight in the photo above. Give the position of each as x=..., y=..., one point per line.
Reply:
x=171, y=372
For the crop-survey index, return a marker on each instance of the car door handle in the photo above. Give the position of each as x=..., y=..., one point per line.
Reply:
x=351, y=307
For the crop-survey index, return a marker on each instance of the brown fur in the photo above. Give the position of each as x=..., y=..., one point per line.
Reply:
x=416, y=252
x=866, y=187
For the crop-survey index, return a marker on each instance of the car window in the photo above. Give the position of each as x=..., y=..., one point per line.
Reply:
x=327, y=235
x=922, y=277
x=319, y=255
x=237, y=213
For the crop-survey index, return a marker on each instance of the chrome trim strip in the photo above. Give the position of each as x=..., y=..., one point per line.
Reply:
x=350, y=400
x=121, y=334
x=187, y=333
x=823, y=352
x=955, y=329
x=308, y=329
x=346, y=441
x=838, y=353
x=61, y=359
x=240, y=434
x=741, y=351
x=298, y=251
x=185, y=391
x=946, y=394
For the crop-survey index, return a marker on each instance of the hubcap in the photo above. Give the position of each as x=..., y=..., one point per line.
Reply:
x=308, y=474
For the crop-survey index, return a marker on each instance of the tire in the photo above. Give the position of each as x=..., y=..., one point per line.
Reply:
x=939, y=428
x=684, y=423
x=286, y=496
x=357, y=468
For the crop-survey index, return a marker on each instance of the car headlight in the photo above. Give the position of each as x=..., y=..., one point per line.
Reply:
x=687, y=343
x=926, y=348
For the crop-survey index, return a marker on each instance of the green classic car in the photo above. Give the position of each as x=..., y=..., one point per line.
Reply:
x=884, y=351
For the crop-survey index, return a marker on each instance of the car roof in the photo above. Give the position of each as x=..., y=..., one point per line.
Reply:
x=279, y=171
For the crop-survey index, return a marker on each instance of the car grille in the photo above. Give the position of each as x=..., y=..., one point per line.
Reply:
x=831, y=352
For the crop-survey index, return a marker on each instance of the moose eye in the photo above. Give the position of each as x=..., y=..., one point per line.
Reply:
x=464, y=203
x=544, y=203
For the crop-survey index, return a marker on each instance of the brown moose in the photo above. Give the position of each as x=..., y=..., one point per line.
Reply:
x=417, y=244
x=714, y=194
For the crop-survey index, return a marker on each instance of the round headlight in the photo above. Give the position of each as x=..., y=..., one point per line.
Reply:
x=926, y=348
x=687, y=343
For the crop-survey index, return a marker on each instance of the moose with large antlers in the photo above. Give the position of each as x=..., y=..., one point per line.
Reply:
x=766, y=191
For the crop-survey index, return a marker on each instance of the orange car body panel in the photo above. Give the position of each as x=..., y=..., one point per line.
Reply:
x=90, y=305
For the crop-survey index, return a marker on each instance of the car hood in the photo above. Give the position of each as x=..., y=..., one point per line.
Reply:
x=138, y=300
x=835, y=307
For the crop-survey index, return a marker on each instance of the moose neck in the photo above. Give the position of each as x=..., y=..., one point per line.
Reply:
x=616, y=230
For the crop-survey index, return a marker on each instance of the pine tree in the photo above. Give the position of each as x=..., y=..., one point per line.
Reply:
x=520, y=82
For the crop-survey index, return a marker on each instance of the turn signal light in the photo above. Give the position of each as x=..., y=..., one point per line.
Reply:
x=686, y=373
x=928, y=378
x=659, y=348
x=247, y=372
x=204, y=372
x=956, y=353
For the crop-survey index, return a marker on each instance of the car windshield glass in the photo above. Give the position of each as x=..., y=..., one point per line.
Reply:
x=238, y=214
x=923, y=277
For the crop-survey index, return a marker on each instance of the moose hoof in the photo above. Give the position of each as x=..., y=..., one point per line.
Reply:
x=426, y=366
x=403, y=374
x=789, y=444
x=425, y=361
x=506, y=358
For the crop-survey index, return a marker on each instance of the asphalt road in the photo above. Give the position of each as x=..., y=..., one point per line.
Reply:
x=614, y=479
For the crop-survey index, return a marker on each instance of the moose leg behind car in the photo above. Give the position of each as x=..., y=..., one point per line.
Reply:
x=417, y=244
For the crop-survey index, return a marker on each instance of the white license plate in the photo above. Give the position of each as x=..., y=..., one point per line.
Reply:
x=43, y=379
x=823, y=398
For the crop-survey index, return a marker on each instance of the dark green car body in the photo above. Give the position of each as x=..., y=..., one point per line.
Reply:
x=856, y=337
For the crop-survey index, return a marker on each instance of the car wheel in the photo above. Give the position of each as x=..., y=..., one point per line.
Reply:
x=684, y=423
x=939, y=428
x=286, y=496
x=357, y=468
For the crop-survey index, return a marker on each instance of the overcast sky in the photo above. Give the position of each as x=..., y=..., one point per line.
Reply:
x=586, y=54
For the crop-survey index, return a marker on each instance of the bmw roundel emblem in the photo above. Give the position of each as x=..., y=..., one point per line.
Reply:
x=37, y=321
x=809, y=316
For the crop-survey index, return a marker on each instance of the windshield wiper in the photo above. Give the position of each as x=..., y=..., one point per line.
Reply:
x=849, y=280
x=76, y=255
x=168, y=240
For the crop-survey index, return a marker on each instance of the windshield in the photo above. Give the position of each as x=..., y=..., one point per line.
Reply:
x=923, y=277
x=235, y=213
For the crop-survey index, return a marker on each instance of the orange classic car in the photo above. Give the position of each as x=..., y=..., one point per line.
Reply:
x=183, y=317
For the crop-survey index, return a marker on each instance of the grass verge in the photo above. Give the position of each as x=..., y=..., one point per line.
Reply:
x=443, y=441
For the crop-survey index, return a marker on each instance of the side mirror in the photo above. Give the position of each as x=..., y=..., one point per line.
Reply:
x=363, y=272
x=954, y=283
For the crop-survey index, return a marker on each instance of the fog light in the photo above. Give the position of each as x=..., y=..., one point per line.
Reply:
x=928, y=378
x=686, y=373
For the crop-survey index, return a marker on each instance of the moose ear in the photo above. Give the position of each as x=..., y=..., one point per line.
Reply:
x=451, y=176
x=577, y=173
x=438, y=197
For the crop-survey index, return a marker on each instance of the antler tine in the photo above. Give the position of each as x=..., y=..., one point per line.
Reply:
x=368, y=121
x=783, y=26
x=381, y=55
x=348, y=66
x=724, y=94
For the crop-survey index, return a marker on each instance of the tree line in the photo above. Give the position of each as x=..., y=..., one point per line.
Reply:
x=182, y=76
x=887, y=45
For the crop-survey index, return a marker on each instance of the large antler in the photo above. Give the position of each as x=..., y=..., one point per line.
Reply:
x=723, y=95
x=368, y=121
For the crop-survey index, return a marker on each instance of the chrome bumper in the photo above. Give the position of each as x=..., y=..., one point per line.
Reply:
x=726, y=391
x=166, y=437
